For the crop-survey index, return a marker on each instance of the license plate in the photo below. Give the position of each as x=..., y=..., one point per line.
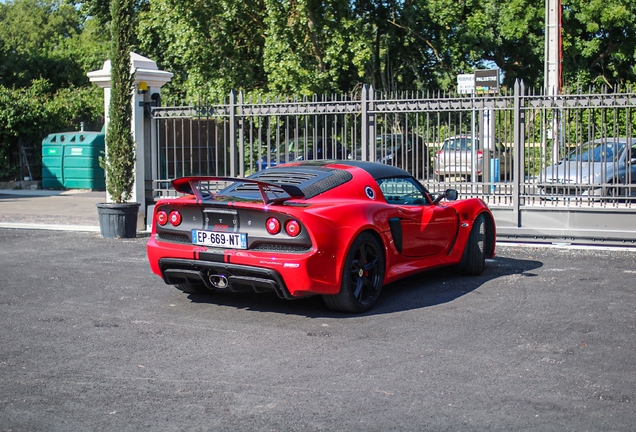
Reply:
x=219, y=239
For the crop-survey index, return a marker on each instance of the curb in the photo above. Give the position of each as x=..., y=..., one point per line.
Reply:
x=49, y=227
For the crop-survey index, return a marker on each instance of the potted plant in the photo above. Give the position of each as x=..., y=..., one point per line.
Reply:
x=118, y=218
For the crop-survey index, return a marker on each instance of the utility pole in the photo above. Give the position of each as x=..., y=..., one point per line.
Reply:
x=553, y=48
x=552, y=71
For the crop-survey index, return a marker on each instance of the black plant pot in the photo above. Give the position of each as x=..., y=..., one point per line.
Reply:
x=118, y=220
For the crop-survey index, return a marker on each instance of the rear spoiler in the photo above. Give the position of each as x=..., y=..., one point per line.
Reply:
x=192, y=186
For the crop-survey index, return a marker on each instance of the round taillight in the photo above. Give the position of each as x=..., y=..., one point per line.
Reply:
x=175, y=218
x=292, y=228
x=273, y=226
x=162, y=217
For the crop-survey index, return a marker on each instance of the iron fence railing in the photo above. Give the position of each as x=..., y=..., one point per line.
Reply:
x=532, y=158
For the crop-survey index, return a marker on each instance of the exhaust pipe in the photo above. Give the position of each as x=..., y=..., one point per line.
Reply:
x=219, y=281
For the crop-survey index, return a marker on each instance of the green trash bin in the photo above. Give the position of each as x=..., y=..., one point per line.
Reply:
x=52, y=153
x=71, y=161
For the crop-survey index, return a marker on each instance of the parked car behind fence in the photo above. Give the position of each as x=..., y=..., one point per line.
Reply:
x=599, y=168
x=454, y=160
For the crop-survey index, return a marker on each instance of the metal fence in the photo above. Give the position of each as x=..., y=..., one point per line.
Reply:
x=552, y=168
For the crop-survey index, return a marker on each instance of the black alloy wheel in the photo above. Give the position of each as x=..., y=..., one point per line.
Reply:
x=362, y=278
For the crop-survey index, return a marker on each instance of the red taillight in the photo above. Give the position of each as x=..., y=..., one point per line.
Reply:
x=439, y=153
x=273, y=226
x=162, y=217
x=480, y=154
x=175, y=218
x=292, y=228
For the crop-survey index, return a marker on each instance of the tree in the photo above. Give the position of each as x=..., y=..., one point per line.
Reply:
x=119, y=162
x=46, y=48
x=599, y=47
x=47, y=39
x=210, y=46
x=29, y=114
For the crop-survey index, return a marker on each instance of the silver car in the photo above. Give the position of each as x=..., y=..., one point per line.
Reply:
x=454, y=160
x=599, y=168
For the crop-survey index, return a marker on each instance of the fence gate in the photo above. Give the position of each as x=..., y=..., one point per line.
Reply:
x=556, y=169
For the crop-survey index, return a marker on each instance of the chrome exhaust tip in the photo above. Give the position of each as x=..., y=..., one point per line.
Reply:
x=219, y=281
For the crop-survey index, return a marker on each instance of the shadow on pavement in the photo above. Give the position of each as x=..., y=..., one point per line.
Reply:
x=426, y=289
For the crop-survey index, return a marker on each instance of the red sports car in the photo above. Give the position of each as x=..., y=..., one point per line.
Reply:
x=339, y=229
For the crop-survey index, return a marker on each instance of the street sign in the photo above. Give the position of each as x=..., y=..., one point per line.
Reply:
x=466, y=83
x=487, y=81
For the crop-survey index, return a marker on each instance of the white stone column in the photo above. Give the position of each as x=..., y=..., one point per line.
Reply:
x=148, y=80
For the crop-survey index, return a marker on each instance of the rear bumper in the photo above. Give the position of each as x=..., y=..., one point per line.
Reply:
x=239, y=278
x=559, y=190
x=289, y=275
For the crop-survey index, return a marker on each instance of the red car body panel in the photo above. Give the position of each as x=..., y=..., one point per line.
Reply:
x=433, y=235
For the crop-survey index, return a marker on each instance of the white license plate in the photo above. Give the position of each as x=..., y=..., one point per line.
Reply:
x=219, y=239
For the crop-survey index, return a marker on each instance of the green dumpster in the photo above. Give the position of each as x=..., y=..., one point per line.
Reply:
x=52, y=153
x=71, y=161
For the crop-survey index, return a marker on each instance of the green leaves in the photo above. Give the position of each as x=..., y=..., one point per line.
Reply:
x=29, y=114
x=119, y=163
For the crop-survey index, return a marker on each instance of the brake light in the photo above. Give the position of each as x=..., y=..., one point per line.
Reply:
x=273, y=226
x=480, y=154
x=292, y=228
x=175, y=218
x=162, y=217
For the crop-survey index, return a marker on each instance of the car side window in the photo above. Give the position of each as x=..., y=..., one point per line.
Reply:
x=403, y=191
x=631, y=152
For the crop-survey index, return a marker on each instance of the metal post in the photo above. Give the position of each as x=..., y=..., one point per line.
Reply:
x=518, y=151
x=154, y=151
x=372, y=125
x=241, y=137
x=473, y=148
x=364, y=142
x=232, y=143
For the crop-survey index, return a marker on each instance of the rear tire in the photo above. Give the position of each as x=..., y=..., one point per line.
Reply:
x=362, y=277
x=190, y=288
x=474, y=260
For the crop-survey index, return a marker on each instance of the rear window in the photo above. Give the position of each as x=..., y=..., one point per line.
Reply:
x=311, y=180
x=455, y=144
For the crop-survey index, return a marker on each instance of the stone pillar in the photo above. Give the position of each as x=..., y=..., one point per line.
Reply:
x=148, y=81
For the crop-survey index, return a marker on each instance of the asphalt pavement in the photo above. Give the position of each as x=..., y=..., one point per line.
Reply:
x=91, y=340
x=68, y=210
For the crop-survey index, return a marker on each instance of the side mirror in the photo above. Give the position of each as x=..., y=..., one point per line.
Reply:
x=451, y=194
x=448, y=194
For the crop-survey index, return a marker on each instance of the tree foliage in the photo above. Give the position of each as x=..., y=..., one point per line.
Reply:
x=119, y=162
x=305, y=47
x=46, y=48
x=47, y=39
x=29, y=114
x=302, y=47
x=599, y=43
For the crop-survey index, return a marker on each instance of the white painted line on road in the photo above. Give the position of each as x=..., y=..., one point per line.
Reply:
x=566, y=246
x=49, y=227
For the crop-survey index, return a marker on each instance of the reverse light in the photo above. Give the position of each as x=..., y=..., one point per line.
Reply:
x=175, y=218
x=272, y=225
x=292, y=228
x=162, y=217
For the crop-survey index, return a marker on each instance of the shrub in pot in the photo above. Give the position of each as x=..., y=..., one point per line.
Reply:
x=119, y=218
